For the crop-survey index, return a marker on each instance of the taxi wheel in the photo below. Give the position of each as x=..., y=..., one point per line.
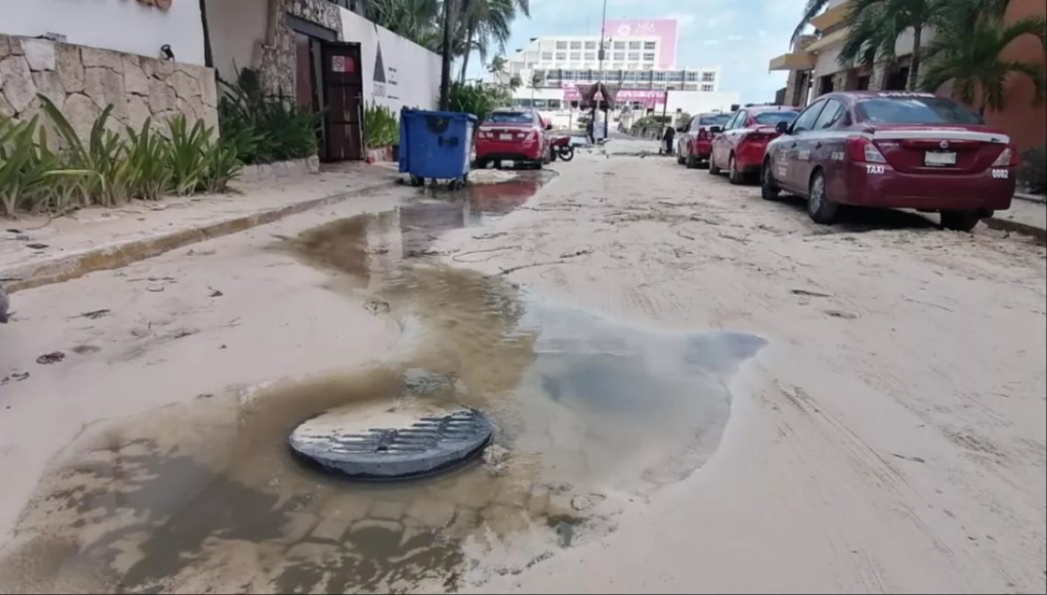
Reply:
x=713, y=170
x=736, y=177
x=819, y=207
x=692, y=161
x=769, y=189
x=960, y=220
x=680, y=159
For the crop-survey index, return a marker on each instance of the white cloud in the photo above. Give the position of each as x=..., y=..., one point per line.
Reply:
x=711, y=42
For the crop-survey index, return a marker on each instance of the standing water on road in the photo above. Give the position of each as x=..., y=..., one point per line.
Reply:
x=205, y=496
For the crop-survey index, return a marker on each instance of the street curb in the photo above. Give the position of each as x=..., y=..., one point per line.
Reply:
x=1031, y=198
x=73, y=266
x=1040, y=235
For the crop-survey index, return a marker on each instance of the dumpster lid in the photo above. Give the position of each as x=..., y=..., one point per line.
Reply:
x=448, y=115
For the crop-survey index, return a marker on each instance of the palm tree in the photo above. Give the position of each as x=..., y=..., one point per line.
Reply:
x=967, y=51
x=487, y=22
x=496, y=67
x=417, y=20
x=515, y=82
x=876, y=25
x=536, y=81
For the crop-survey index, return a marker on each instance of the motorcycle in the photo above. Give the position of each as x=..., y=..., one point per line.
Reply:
x=561, y=147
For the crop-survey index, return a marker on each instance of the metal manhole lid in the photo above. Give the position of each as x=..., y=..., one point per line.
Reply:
x=384, y=442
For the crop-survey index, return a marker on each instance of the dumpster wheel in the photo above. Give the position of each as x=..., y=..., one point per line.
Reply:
x=417, y=182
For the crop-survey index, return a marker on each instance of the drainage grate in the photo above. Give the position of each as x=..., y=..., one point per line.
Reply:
x=422, y=447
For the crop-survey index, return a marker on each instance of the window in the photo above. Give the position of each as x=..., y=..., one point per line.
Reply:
x=772, y=118
x=619, y=55
x=576, y=45
x=708, y=77
x=659, y=76
x=692, y=76
x=634, y=55
x=832, y=114
x=619, y=45
x=905, y=108
x=547, y=56
x=507, y=117
x=561, y=56
x=808, y=117
x=690, y=87
x=569, y=75
x=590, y=55
x=635, y=45
x=733, y=122
x=590, y=45
x=648, y=66
x=555, y=104
x=539, y=104
x=715, y=120
x=561, y=45
x=629, y=76
x=648, y=57
x=650, y=45
x=576, y=56
x=675, y=75
x=706, y=88
x=632, y=67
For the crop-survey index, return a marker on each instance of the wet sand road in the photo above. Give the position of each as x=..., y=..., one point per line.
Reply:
x=698, y=390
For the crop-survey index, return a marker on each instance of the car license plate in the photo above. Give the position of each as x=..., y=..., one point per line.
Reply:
x=940, y=159
x=505, y=137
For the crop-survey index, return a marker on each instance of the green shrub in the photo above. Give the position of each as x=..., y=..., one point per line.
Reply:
x=188, y=155
x=476, y=99
x=32, y=177
x=102, y=158
x=147, y=157
x=381, y=127
x=264, y=128
x=1033, y=172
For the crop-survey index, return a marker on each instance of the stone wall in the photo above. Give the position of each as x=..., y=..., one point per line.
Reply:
x=278, y=65
x=82, y=81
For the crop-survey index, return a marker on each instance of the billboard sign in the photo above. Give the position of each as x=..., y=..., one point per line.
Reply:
x=664, y=29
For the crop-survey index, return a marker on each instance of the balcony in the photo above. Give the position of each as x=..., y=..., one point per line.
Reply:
x=793, y=61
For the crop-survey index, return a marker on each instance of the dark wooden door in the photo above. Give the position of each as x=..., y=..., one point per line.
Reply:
x=304, y=88
x=343, y=94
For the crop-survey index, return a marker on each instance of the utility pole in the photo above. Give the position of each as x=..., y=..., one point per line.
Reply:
x=445, y=66
x=599, y=78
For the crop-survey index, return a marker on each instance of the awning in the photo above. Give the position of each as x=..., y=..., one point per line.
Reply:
x=793, y=61
x=833, y=16
x=830, y=39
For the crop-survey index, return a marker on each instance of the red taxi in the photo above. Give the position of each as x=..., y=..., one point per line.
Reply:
x=741, y=146
x=696, y=138
x=519, y=136
x=893, y=150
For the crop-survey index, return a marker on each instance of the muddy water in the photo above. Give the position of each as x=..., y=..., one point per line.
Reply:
x=204, y=497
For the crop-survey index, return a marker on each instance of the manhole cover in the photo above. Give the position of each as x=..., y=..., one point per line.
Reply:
x=379, y=442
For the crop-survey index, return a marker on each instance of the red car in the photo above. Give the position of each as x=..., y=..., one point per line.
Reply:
x=519, y=136
x=893, y=150
x=740, y=149
x=696, y=138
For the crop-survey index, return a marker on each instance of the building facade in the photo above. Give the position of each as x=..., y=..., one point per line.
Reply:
x=814, y=70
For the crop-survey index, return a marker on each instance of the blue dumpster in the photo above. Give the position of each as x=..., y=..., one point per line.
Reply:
x=436, y=146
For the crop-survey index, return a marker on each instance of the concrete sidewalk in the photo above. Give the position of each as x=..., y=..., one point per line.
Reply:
x=40, y=251
x=1025, y=216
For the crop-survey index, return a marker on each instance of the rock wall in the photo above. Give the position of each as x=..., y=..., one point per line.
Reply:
x=82, y=81
x=278, y=65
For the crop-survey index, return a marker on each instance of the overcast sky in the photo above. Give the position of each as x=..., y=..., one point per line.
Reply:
x=739, y=36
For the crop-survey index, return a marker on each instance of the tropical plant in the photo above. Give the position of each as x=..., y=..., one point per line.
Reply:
x=487, y=23
x=147, y=158
x=1033, y=172
x=515, y=82
x=876, y=25
x=223, y=166
x=23, y=174
x=188, y=155
x=968, y=51
x=264, y=128
x=417, y=20
x=476, y=99
x=381, y=126
x=496, y=67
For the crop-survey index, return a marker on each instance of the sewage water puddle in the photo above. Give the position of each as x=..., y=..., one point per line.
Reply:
x=205, y=497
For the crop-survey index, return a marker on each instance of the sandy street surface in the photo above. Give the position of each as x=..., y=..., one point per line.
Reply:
x=696, y=391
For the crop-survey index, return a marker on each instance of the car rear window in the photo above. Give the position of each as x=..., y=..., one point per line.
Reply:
x=915, y=110
x=715, y=120
x=772, y=118
x=511, y=118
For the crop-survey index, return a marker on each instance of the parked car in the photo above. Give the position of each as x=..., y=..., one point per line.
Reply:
x=741, y=146
x=520, y=136
x=893, y=150
x=695, y=143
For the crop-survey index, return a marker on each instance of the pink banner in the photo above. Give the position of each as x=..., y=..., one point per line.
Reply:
x=647, y=96
x=664, y=29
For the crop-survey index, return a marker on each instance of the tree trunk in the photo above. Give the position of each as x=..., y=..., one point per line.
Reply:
x=445, y=66
x=917, y=51
x=208, y=55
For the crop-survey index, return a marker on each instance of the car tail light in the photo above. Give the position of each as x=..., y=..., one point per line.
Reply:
x=862, y=150
x=1008, y=158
